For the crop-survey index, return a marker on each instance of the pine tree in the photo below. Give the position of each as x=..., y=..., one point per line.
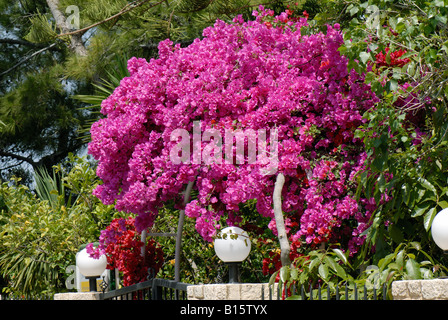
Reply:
x=53, y=50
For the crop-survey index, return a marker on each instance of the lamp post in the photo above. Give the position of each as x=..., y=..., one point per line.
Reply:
x=232, y=246
x=90, y=268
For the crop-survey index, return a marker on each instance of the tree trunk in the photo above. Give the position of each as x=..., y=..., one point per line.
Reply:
x=279, y=221
x=180, y=227
x=143, y=237
x=76, y=44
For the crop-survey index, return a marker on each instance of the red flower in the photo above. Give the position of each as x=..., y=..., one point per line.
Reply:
x=395, y=61
x=123, y=251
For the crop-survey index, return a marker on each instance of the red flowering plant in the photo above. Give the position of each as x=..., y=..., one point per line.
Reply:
x=121, y=244
x=407, y=100
x=391, y=59
x=404, y=60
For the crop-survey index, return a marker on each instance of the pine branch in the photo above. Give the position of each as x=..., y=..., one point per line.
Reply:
x=124, y=10
x=247, y=6
x=25, y=59
x=21, y=42
x=192, y=6
x=17, y=157
x=46, y=161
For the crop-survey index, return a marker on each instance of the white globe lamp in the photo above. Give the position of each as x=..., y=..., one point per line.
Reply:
x=439, y=230
x=90, y=267
x=232, y=246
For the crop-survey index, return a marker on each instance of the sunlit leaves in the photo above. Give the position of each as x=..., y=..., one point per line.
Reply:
x=40, y=237
x=328, y=266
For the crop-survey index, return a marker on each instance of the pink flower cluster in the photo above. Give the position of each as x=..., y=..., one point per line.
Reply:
x=241, y=75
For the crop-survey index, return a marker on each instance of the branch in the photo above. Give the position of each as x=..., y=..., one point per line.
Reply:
x=76, y=40
x=49, y=160
x=124, y=10
x=180, y=227
x=23, y=60
x=4, y=153
x=280, y=223
x=21, y=42
x=46, y=161
x=251, y=6
x=143, y=248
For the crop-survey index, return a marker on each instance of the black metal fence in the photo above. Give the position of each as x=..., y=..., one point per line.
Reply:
x=341, y=292
x=155, y=289
x=161, y=289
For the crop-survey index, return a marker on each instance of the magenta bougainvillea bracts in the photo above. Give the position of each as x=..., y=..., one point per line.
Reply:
x=260, y=75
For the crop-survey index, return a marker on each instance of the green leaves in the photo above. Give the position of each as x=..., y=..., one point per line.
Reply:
x=341, y=255
x=429, y=217
x=39, y=236
x=328, y=265
x=42, y=30
x=49, y=188
x=413, y=269
x=323, y=272
x=406, y=172
x=427, y=185
x=407, y=262
x=411, y=176
x=285, y=274
x=365, y=56
x=420, y=209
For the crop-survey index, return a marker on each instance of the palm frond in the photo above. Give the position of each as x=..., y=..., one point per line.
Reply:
x=103, y=90
x=49, y=187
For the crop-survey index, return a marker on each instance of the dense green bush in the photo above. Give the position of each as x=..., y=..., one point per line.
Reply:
x=402, y=48
x=40, y=235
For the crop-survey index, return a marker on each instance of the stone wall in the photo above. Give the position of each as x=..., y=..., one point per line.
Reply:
x=234, y=291
x=77, y=296
x=434, y=289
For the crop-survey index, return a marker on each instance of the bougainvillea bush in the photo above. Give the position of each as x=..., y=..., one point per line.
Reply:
x=271, y=73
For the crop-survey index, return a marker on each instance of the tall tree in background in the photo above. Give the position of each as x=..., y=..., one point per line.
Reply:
x=40, y=119
x=51, y=50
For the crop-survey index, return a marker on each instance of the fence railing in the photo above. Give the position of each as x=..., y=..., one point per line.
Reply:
x=161, y=289
x=341, y=292
x=155, y=289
